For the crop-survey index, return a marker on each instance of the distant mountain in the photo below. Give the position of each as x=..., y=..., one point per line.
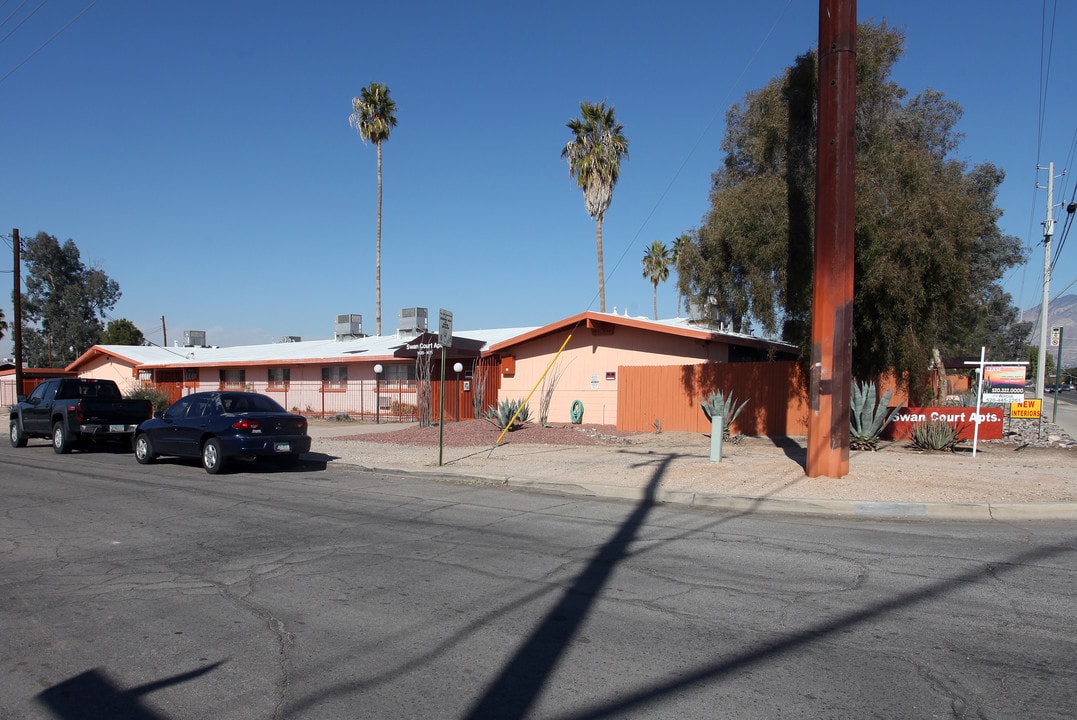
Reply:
x=1060, y=313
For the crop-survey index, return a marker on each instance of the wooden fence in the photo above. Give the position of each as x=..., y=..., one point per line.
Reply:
x=776, y=394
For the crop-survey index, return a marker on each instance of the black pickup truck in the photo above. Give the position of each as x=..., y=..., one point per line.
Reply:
x=72, y=410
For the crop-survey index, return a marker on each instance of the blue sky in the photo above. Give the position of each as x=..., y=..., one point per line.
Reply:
x=199, y=152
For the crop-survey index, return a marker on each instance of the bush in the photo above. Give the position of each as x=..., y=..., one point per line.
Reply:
x=934, y=435
x=157, y=397
x=506, y=412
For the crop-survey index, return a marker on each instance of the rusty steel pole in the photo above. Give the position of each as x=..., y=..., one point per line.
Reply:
x=832, y=294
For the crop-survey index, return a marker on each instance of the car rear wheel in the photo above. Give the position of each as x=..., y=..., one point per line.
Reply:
x=18, y=437
x=213, y=459
x=61, y=443
x=144, y=452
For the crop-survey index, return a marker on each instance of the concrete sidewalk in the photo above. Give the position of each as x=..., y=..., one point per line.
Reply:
x=763, y=477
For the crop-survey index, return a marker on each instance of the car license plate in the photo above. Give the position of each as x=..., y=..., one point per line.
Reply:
x=282, y=447
x=117, y=428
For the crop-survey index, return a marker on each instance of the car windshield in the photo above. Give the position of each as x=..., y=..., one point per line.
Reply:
x=253, y=402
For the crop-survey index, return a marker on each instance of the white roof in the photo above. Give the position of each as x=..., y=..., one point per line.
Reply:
x=380, y=347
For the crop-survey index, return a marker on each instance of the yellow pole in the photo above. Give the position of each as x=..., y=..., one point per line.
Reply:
x=539, y=382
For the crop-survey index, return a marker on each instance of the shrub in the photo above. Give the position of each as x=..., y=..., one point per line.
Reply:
x=400, y=409
x=867, y=419
x=506, y=412
x=157, y=397
x=934, y=435
x=718, y=405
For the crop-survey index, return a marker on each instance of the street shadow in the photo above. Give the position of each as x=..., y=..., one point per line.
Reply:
x=516, y=689
x=519, y=684
x=93, y=695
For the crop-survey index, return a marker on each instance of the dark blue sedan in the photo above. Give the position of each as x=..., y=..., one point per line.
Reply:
x=220, y=426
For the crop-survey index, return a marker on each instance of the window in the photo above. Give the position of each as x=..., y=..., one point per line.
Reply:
x=279, y=378
x=399, y=372
x=335, y=378
x=233, y=378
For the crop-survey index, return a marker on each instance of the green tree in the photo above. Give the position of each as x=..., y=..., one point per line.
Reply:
x=3, y=324
x=122, y=332
x=679, y=246
x=63, y=304
x=594, y=159
x=656, y=262
x=374, y=116
x=1048, y=364
x=929, y=253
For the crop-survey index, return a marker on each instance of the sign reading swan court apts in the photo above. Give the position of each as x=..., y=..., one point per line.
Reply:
x=962, y=418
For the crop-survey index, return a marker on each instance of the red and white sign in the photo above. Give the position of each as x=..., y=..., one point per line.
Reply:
x=962, y=418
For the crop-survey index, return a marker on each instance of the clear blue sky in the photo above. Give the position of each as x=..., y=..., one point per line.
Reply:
x=199, y=152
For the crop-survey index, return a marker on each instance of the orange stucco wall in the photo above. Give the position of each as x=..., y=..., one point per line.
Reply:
x=588, y=369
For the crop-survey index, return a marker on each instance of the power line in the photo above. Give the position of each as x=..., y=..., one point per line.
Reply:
x=51, y=38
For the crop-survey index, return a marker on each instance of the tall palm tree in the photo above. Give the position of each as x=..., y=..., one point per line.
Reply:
x=678, y=249
x=374, y=116
x=656, y=263
x=594, y=159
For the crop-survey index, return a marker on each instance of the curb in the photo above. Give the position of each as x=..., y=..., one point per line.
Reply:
x=775, y=506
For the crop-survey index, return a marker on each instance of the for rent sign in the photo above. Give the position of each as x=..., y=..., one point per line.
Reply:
x=962, y=418
x=1004, y=384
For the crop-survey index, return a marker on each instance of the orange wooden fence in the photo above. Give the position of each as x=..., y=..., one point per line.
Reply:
x=777, y=395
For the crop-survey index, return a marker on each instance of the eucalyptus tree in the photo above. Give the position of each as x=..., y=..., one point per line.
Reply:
x=374, y=117
x=64, y=302
x=678, y=249
x=929, y=253
x=656, y=263
x=594, y=157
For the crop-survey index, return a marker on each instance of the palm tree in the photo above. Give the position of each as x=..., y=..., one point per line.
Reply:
x=594, y=159
x=656, y=263
x=678, y=249
x=374, y=116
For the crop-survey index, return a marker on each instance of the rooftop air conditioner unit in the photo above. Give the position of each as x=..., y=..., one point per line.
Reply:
x=194, y=338
x=349, y=326
x=413, y=321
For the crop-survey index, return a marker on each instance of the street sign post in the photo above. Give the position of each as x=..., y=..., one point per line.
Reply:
x=445, y=340
x=1056, y=341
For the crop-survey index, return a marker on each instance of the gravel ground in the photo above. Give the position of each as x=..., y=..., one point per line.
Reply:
x=1014, y=470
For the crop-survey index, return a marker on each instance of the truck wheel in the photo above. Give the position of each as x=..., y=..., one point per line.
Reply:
x=18, y=437
x=144, y=452
x=61, y=443
x=213, y=459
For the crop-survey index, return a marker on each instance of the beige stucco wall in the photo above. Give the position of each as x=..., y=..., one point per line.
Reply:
x=104, y=367
x=588, y=360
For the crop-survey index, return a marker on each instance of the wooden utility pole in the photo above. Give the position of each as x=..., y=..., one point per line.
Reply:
x=16, y=301
x=164, y=333
x=832, y=294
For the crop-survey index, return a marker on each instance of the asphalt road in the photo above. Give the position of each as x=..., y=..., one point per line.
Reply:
x=163, y=592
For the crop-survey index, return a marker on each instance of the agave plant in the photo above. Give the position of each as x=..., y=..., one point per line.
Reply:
x=934, y=435
x=867, y=419
x=508, y=411
x=719, y=405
